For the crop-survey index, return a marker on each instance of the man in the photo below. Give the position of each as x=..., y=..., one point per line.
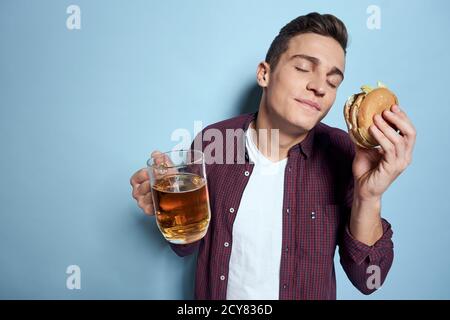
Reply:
x=278, y=216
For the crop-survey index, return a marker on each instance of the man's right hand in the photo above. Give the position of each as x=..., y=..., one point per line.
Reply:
x=140, y=182
x=141, y=191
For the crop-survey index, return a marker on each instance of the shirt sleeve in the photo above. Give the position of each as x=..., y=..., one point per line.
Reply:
x=367, y=266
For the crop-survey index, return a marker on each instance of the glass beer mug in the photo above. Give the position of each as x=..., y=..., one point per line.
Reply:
x=180, y=194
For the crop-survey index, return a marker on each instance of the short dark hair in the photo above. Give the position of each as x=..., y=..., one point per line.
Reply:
x=323, y=24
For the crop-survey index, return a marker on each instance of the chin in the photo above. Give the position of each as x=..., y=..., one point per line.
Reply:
x=302, y=123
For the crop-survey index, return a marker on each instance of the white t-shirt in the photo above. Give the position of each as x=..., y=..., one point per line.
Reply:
x=254, y=270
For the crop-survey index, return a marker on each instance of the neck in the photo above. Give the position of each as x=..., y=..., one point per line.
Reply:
x=267, y=141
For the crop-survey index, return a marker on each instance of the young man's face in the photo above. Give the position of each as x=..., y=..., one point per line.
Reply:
x=311, y=69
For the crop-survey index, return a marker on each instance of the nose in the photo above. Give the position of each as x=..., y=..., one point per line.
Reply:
x=316, y=85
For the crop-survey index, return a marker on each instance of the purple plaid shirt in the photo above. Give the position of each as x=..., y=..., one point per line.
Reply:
x=318, y=192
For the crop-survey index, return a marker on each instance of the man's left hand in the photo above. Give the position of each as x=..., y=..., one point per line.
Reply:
x=375, y=169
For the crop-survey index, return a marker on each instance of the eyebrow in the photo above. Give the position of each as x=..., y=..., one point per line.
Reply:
x=316, y=61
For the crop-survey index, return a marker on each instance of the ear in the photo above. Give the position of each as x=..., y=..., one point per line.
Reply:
x=263, y=74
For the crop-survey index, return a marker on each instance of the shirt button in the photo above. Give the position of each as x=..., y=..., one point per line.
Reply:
x=288, y=210
x=226, y=244
x=222, y=277
x=284, y=286
x=246, y=173
x=286, y=249
x=231, y=210
x=313, y=215
x=289, y=169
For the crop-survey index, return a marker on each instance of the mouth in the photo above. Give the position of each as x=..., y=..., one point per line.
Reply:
x=308, y=104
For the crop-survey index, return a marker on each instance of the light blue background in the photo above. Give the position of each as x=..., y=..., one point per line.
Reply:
x=81, y=110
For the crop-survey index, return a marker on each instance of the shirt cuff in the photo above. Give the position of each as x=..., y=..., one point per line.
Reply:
x=359, y=251
x=183, y=250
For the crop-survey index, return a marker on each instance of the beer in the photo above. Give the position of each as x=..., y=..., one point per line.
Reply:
x=182, y=207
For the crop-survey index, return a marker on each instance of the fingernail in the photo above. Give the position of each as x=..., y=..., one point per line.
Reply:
x=395, y=108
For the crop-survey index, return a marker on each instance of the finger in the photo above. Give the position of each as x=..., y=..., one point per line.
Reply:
x=397, y=110
x=147, y=205
x=149, y=199
x=139, y=177
x=160, y=158
x=397, y=140
x=149, y=210
x=145, y=200
x=403, y=122
x=388, y=147
x=143, y=188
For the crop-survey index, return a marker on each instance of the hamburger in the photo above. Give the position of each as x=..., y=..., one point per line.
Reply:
x=360, y=108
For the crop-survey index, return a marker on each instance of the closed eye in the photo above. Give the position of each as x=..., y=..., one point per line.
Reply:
x=301, y=70
x=332, y=85
x=304, y=70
